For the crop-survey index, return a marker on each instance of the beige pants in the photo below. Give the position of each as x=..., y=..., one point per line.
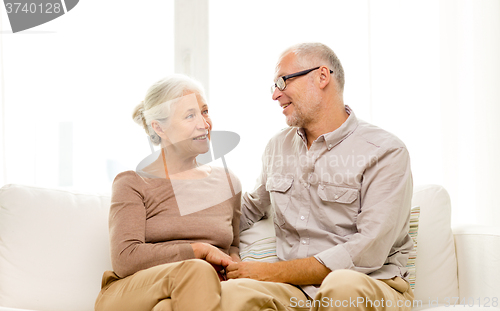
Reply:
x=179, y=286
x=340, y=290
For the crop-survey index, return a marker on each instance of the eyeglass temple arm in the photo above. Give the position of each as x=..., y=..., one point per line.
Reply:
x=301, y=73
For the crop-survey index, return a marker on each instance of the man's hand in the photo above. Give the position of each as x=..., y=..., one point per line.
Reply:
x=261, y=271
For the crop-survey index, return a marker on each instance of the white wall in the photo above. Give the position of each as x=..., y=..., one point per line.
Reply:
x=470, y=107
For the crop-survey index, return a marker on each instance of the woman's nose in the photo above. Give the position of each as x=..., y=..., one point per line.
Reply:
x=202, y=123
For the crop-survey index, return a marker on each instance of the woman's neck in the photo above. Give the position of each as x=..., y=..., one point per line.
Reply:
x=172, y=165
x=176, y=164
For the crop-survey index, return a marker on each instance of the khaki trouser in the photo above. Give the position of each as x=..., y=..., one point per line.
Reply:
x=340, y=290
x=179, y=286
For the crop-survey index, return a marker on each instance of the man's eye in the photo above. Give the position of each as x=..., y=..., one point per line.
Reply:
x=190, y=116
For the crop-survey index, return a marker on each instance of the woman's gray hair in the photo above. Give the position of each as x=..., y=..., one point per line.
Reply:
x=317, y=54
x=165, y=90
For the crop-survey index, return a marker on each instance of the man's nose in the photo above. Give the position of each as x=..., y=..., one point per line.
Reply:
x=276, y=93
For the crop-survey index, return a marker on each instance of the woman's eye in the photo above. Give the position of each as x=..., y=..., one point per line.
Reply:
x=205, y=111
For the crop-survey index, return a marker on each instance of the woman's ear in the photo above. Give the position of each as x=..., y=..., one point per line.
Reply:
x=158, y=130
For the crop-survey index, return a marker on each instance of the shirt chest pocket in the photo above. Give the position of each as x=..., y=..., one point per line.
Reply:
x=340, y=208
x=280, y=192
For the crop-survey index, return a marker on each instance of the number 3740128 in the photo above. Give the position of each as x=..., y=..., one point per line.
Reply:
x=27, y=8
x=471, y=302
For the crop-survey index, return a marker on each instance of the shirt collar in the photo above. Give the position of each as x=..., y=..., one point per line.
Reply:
x=332, y=139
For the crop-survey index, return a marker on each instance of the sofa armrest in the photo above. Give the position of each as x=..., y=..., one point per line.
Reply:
x=478, y=257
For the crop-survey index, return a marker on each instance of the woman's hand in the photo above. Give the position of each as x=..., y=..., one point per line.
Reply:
x=235, y=257
x=211, y=254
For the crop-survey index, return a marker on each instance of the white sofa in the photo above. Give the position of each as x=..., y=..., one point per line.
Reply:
x=54, y=249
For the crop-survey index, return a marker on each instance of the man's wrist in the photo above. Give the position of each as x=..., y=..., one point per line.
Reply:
x=306, y=271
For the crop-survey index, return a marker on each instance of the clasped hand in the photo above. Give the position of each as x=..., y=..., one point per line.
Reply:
x=217, y=258
x=211, y=254
x=233, y=266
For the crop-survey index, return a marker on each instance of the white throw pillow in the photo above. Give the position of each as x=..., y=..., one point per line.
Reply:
x=436, y=264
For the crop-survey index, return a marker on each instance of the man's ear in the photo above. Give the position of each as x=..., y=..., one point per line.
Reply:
x=324, y=77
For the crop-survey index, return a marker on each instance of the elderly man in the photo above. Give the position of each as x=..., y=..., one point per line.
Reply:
x=339, y=191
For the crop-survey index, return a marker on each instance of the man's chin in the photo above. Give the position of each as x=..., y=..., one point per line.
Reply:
x=292, y=121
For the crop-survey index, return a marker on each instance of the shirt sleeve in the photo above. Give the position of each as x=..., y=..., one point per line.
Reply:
x=383, y=220
x=127, y=227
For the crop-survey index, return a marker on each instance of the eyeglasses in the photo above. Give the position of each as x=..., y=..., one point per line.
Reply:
x=281, y=82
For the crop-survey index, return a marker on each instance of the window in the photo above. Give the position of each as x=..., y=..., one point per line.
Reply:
x=70, y=86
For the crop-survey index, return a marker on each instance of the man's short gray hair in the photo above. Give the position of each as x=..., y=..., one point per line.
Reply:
x=317, y=54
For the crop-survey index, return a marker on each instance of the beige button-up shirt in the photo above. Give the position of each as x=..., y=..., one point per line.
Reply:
x=345, y=201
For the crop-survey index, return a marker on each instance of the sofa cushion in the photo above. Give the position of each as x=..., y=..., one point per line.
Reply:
x=54, y=248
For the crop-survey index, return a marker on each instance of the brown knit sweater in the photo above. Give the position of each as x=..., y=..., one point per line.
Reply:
x=149, y=225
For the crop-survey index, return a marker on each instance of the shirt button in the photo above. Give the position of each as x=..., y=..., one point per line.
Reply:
x=304, y=242
x=305, y=185
x=336, y=197
x=302, y=217
x=330, y=146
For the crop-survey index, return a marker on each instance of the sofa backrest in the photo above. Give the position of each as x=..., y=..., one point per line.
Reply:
x=53, y=248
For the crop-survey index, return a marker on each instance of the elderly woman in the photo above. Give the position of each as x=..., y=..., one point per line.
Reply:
x=174, y=224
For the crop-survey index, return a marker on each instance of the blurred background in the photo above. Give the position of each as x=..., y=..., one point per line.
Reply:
x=427, y=71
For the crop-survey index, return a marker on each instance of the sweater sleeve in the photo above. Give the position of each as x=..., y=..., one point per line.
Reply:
x=127, y=228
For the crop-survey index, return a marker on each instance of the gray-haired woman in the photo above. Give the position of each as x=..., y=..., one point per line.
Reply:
x=174, y=223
